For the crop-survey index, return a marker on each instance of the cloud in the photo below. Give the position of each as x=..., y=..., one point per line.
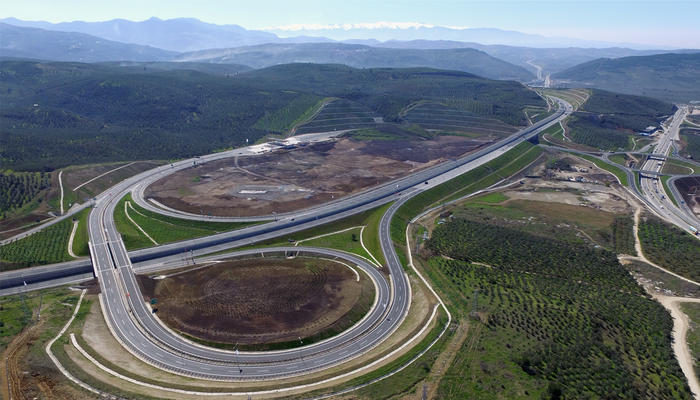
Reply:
x=361, y=25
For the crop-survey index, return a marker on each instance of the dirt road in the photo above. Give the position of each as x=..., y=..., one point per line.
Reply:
x=680, y=344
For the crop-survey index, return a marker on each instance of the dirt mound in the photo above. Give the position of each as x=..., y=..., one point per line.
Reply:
x=257, y=301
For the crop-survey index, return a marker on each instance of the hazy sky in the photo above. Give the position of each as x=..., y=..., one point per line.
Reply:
x=662, y=23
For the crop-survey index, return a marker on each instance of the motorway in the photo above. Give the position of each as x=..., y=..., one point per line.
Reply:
x=132, y=323
x=653, y=190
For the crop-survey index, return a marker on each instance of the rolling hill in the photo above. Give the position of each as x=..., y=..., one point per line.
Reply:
x=551, y=59
x=609, y=120
x=41, y=44
x=56, y=114
x=670, y=77
x=361, y=56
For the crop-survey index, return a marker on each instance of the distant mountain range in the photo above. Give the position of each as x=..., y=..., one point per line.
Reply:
x=531, y=52
x=672, y=77
x=361, y=56
x=408, y=32
x=190, y=34
x=180, y=34
x=70, y=46
x=187, y=43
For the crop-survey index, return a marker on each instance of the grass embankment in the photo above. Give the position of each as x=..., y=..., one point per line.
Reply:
x=555, y=132
x=618, y=172
x=664, y=184
x=402, y=381
x=670, y=247
x=163, y=229
x=479, y=178
x=556, y=319
x=48, y=246
x=332, y=238
x=677, y=167
x=80, y=241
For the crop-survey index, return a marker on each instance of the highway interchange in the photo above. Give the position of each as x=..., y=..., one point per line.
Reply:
x=131, y=321
x=650, y=189
x=133, y=324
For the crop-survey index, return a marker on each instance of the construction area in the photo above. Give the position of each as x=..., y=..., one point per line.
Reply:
x=289, y=180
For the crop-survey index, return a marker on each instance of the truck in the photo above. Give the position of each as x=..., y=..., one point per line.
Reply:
x=694, y=230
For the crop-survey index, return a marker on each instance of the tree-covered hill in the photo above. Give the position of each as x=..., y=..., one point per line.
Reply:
x=56, y=114
x=389, y=90
x=608, y=120
x=670, y=77
x=361, y=56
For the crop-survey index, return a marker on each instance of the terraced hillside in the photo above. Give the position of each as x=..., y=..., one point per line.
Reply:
x=442, y=118
x=339, y=115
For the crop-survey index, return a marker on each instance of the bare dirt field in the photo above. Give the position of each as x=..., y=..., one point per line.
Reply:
x=286, y=181
x=262, y=300
x=690, y=190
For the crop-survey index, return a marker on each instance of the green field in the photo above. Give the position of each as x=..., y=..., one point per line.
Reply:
x=48, y=246
x=162, y=228
x=670, y=247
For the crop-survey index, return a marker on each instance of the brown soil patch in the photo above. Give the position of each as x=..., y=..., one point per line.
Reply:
x=262, y=300
x=27, y=375
x=690, y=190
x=286, y=181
